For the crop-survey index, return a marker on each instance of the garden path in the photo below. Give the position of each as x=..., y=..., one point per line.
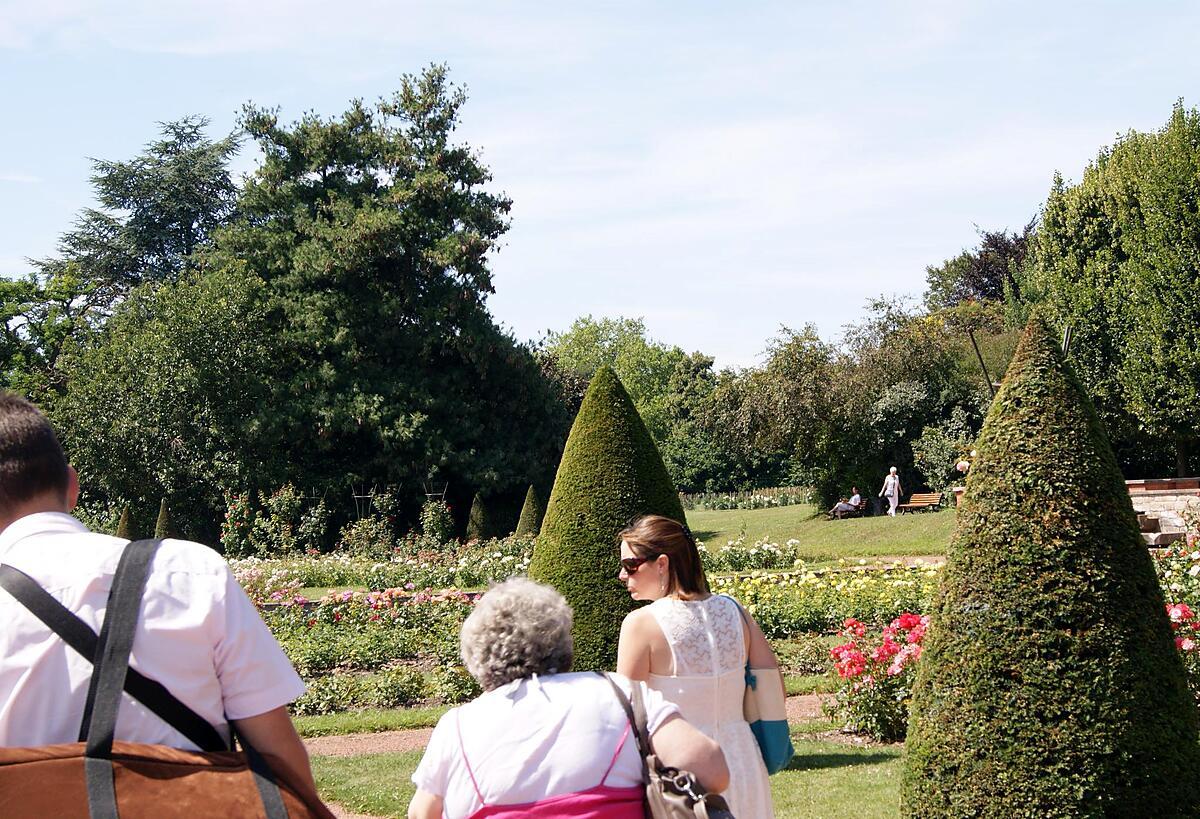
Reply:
x=799, y=708
x=803, y=707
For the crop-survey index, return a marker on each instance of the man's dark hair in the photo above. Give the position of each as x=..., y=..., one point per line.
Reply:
x=31, y=460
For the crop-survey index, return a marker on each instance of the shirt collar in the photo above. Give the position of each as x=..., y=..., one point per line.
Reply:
x=39, y=523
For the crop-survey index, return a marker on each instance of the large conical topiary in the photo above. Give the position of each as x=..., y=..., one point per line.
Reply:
x=479, y=520
x=1049, y=685
x=531, y=515
x=610, y=471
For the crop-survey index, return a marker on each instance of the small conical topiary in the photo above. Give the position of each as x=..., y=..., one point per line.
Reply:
x=124, y=527
x=610, y=471
x=1049, y=685
x=479, y=521
x=531, y=515
x=162, y=526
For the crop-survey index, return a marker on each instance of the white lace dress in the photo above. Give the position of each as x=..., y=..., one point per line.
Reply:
x=708, y=652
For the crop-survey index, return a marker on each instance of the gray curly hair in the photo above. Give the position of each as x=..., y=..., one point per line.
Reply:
x=518, y=628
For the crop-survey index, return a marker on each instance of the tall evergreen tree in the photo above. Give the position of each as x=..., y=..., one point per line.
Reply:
x=610, y=472
x=1049, y=685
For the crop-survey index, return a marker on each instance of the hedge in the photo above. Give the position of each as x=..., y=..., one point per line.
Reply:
x=1049, y=684
x=610, y=471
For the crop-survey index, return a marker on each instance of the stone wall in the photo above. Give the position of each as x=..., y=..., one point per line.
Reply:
x=1165, y=499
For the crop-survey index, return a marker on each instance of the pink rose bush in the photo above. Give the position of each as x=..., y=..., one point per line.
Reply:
x=877, y=674
x=1186, y=624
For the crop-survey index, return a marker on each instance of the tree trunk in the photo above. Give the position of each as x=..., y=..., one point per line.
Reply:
x=1182, y=452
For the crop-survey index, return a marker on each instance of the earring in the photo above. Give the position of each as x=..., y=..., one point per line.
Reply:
x=662, y=583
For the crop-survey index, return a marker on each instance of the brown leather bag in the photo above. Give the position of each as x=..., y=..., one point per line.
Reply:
x=103, y=779
x=671, y=793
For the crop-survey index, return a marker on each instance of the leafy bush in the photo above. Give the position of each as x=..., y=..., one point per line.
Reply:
x=437, y=524
x=369, y=537
x=1186, y=625
x=735, y=556
x=1049, y=685
x=99, y=515
x=452, y=684
x=610, y=471
x=390, y=688
x=877, y=676
x=237, y=526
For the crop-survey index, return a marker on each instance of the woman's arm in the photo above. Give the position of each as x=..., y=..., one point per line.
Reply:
x=633, y=647
x=677, y=744
x=425, y=806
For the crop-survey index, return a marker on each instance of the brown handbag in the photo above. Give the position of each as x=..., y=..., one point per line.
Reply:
x=103, y=779
x=671, y=793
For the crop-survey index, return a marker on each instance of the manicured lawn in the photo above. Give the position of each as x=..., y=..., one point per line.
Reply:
x=923, y=533
x=826, y=780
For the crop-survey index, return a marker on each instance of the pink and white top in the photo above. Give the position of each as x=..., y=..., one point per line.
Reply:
x=556, y=746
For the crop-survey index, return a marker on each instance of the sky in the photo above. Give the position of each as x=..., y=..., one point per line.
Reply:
x=720, y=170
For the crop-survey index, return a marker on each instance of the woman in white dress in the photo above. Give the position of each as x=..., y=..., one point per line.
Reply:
x=891, y=490
x=691, y=646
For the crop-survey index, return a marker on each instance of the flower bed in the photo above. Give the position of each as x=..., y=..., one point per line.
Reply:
x=786, y=603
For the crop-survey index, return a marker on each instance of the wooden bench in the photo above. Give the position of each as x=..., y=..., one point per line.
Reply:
x=857, y=512
x=921, y=501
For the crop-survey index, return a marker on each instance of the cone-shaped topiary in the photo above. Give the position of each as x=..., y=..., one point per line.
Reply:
x=124, y=527
x=531, y=515
x=610, y=471
x=479, y=521
x=162, y=526
x=1049, y=685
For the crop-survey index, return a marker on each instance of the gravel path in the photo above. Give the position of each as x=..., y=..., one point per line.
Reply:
x=805, y=707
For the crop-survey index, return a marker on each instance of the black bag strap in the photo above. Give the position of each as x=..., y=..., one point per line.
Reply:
x=109, y=653
x=80, y=637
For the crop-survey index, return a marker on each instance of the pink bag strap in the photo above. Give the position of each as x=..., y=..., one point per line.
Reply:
x=616, y=753
x=462, y=750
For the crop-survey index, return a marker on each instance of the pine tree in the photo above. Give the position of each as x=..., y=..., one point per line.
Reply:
x=1049, y=685
x=610, y=472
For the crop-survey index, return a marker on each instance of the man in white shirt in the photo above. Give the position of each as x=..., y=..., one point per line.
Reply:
x=198, y=634
x=840, y=509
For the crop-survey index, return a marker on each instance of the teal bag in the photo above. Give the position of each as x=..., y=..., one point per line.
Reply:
x=764, y=707
x=767, y=714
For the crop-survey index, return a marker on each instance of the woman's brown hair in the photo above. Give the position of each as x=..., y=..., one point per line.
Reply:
x=653, y=535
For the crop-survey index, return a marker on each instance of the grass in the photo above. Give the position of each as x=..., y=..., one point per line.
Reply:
x=368, y=721
x=923, y=533
x=825, y=780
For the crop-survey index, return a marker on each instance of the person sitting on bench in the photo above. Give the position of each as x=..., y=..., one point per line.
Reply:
x=843, y=506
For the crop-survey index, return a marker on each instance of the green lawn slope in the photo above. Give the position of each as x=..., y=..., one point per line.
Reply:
x=922, y=533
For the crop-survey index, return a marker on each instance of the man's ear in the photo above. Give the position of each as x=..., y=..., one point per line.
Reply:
x=72, y=497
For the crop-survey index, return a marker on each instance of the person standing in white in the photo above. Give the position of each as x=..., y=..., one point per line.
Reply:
x=199, y=635
x=891, y=490
x=691, y=646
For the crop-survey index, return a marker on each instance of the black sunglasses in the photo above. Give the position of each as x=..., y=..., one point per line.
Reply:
x=632, y=564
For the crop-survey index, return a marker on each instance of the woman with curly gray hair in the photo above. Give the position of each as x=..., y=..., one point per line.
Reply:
x=542, y=741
